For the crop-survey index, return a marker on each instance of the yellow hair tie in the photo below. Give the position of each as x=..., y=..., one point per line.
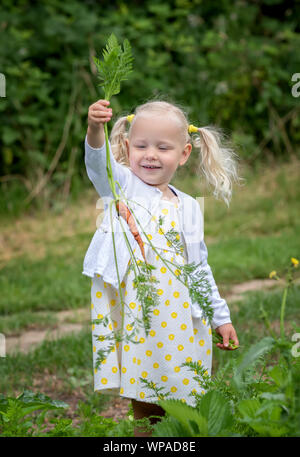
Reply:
x=130, y=117
x=193, y=129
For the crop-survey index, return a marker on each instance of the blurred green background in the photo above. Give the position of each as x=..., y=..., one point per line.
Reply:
x=226, y=63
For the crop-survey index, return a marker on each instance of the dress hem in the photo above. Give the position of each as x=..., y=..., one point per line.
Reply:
x=129, y=395
x=132, y=396
x=91, y=275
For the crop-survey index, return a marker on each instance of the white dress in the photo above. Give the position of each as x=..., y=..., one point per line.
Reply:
x=175, y=336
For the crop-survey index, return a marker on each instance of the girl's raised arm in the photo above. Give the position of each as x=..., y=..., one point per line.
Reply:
x=95, y=151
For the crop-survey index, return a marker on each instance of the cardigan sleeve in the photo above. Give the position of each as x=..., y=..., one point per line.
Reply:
x=219, y=305
x=95, y=162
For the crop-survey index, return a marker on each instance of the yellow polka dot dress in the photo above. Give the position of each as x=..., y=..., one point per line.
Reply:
x=175, y=337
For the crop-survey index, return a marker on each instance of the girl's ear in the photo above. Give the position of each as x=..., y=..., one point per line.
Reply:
x=185, y=154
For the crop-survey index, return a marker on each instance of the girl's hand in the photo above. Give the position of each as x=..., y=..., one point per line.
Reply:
x=98, y=114
x=228, y=333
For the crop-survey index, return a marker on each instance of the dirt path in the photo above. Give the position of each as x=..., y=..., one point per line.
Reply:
x=29, y=339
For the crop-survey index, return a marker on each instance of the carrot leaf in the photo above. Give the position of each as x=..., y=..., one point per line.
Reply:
x=115, y=66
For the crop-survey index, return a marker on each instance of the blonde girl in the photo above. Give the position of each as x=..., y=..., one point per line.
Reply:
x=146, y=148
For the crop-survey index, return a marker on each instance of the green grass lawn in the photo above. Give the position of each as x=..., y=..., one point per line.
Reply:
x=257, y=234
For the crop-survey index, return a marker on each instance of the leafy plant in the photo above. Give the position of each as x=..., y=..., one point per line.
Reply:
x=14, y=410
x=260, y=404
x=115, y=67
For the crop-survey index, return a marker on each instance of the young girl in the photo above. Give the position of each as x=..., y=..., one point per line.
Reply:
x=146, y=148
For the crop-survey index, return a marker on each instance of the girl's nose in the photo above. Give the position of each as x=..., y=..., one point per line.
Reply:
x=150, y=152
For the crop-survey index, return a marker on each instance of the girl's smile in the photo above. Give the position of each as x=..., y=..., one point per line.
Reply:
x=150, y=168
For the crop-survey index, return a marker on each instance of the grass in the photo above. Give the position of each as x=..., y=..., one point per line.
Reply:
x=52, y=283
x=267, y=204
x=61, y=368
x=14, y=323
x=240, y=259
x=41, y=265
x=55, y=357
x=55, y=282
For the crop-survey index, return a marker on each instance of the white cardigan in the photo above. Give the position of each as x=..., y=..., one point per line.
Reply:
x=143, y=200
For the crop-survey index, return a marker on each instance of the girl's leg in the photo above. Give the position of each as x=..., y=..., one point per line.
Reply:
x=142, y=409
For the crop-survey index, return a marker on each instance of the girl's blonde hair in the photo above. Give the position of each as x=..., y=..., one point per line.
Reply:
x=217, y=159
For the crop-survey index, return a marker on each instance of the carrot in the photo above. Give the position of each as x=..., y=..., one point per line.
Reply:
x=126, y=214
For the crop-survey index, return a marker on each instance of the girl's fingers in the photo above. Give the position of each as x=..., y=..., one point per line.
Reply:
x=101, y=114
x=221, y=346
x=99, y=121
x=227, y=342
x=226, y=348
x=101, y=103
x=101, y=109
x=235, y=339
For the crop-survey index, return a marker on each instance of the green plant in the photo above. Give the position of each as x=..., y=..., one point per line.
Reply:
x=14, y=410
x=260, y=404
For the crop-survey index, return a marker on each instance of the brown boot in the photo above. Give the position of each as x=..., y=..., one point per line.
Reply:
x=142, y=409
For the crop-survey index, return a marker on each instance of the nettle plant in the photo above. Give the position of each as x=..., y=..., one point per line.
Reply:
x=256, y=393
x=114, y=68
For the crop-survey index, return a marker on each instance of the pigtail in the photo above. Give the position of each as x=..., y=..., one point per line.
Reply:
x=117, y=139
x=218, y=162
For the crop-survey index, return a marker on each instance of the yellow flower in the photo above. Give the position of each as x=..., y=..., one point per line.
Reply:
x=272, y=274
x=294, y=261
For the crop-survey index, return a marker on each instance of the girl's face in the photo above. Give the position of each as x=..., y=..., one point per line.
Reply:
x=155, y=142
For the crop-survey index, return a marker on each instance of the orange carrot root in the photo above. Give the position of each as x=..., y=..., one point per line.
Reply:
x=126, y=214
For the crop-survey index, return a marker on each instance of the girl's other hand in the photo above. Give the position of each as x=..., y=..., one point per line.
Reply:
x=98, y=114
x=227, y=332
